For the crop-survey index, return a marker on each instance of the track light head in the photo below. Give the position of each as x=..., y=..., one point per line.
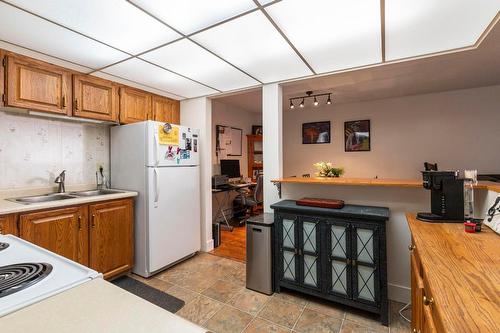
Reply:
x=329, y=100
x=315, y=101
x=301, y=103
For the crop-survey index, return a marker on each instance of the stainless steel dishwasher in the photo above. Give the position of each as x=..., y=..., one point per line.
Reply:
x=260, y=253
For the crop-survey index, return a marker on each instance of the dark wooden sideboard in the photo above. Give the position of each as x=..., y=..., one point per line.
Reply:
x=336, y=254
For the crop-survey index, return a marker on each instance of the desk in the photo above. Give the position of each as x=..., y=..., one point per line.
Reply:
x=224, y=206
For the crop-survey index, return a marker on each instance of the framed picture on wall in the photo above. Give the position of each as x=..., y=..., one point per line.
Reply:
x=316, y=133
x=256, y=129
x=357, y=135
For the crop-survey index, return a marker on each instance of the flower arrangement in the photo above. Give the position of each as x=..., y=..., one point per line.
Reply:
x=326, y=169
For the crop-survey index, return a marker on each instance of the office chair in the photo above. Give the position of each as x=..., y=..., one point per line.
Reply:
x=249, y=202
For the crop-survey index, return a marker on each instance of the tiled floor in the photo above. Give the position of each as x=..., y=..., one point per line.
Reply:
x=216, y=298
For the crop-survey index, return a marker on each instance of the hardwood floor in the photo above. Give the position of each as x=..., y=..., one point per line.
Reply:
x=233, y=244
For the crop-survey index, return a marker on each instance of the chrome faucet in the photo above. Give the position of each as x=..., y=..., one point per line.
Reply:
x=60, y=180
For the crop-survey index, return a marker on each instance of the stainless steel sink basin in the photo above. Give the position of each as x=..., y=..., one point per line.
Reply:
x=92, y=193
x=42, y=198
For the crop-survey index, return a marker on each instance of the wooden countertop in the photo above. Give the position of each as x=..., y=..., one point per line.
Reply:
x=412, y=183
x=463, y=273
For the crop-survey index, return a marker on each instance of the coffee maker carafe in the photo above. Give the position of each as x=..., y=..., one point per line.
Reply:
x=447, y=196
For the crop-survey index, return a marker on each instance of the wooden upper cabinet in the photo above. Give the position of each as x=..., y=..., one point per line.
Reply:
x=63, y=231
x=8, y=225
x=135, y=105
x=95, y=98
x=36, y=85
x=166, y=110
x=111, y=237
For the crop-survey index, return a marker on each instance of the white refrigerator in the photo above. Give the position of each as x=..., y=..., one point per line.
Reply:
x=160, y=162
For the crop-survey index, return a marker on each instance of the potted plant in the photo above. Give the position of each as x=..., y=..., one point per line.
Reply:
x=326, y=169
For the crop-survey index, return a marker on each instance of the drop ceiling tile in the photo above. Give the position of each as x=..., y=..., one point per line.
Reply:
x=187, y=58
x=26, y=30
x=426, y=26
x=189, y=16
x=254, y=45
x=150, y=75
x=333, y=34
x=114, y=22
x=136, y=85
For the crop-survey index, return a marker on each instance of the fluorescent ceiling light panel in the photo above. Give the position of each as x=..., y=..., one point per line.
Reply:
x=254, y=45
x=29, y=31
x=187, y=58
x=332, y=34
x=114, y=22
x=189, y=16
x=150, y=75
x=421, y=27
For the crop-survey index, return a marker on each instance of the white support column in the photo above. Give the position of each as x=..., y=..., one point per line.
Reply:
x=197, y=113
x=272, y=125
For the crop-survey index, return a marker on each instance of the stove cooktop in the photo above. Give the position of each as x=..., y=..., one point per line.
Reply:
x=3, y=246
x=17, y=277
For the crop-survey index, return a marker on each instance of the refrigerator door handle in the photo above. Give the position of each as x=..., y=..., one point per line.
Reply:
x=157, y=187
x=156, y=143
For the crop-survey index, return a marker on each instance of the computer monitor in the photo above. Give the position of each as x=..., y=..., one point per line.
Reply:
x=230, y=168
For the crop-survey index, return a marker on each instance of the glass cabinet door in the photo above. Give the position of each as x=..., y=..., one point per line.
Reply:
x=339, y=262
x=288, y=248
x=365, y=274
x=309, y=262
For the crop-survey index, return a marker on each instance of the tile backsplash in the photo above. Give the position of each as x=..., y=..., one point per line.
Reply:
x=33, y=151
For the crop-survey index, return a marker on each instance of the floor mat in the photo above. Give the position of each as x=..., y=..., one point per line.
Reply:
x=155, y=296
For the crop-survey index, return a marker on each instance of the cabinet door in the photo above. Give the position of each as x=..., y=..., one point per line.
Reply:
x=309, y=250
x=288, y=239
x=37, y=85
x=339, y=269
x=135, y=105
x=365, y=261
x=63, y=231
x=94, y=98
x=111, y=237
x=165, y=110
x=8, y=225
x=417, y=294
x=3, y=62
x=176, y=112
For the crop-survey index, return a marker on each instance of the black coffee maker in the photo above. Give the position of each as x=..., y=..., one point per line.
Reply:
x=447, y=196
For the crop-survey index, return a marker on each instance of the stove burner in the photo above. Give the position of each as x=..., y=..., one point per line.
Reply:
x=14, y=278
x=3, y=246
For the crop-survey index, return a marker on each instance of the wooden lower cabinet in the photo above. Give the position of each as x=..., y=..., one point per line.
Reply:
x=8, y=225
x=111, y=237
x=99, y=235
x=423, y=318
x=63, y=231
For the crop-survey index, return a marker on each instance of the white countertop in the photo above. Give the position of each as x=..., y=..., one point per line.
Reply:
x=9, y=207
x=96, y=306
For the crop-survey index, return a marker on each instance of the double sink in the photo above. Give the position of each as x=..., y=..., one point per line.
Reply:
x=62, y=196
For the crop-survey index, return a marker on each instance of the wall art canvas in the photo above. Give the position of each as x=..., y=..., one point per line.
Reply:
x=316, y=133
x=357, y=135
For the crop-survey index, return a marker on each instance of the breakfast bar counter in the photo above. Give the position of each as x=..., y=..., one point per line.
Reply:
x=455, y=278
x=381, y=182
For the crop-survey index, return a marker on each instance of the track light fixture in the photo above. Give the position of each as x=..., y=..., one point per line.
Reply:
x=309, y=94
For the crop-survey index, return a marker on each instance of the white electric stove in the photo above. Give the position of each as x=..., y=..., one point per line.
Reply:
x=29, y=273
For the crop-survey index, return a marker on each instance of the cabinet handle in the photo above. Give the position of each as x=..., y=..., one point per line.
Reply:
x=411, y=247
x=428, y=301
x=76, y=104
x=79, y=223
x=64, y=102
x=300, y=252
x=348, y=262
x=93, y=221
x=354, y=262
x=296, y=251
